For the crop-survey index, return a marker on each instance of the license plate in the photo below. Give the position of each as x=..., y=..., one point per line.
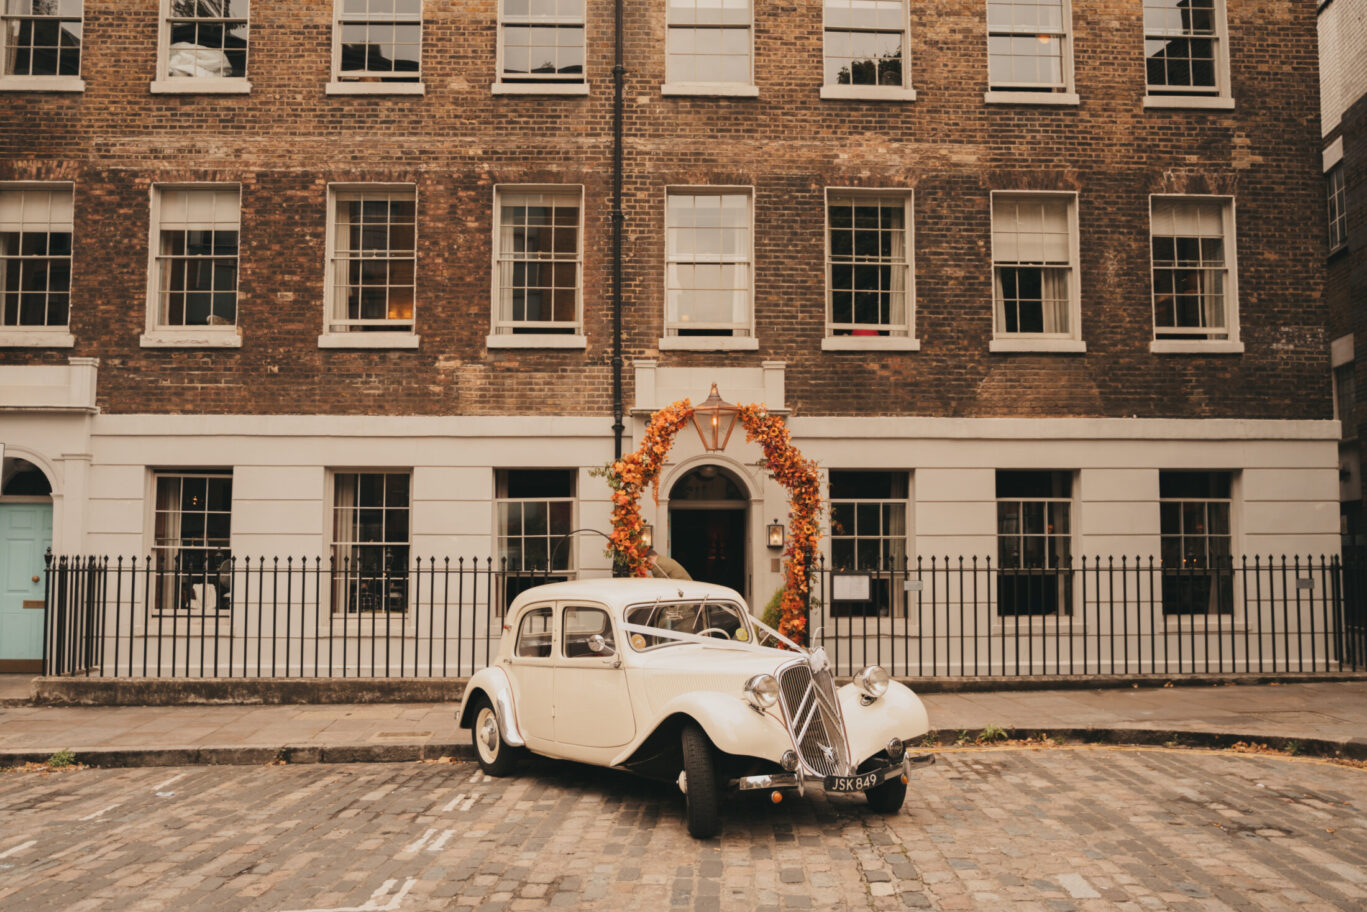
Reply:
x=852, y=783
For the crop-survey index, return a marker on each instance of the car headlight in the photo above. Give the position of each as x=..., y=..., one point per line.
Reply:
x=872, y=681
x=761, y=691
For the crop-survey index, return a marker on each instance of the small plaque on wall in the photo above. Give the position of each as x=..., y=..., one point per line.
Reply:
x=850, y=587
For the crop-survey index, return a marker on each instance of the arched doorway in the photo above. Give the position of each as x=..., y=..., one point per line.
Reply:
x=708, y=517
x=25, y=535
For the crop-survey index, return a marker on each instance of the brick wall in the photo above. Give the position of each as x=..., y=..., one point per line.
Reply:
x=287, y=140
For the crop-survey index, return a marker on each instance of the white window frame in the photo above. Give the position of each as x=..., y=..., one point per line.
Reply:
x=835, y=91
x=1065, y=93
x=502, y=333
x=167, y=84
x=1069, y=582
x=404, y=333
x=26, y=83
x=568, y=84
x=166, y=570
x=363, y=83
x=161, y=335
x=1337, y=202
x=1236, y=613
x=1167, y=344
x=742, y=338
x=338, y=595
x=46, y=336
x=902, y=336
x=1069, y=342
x=1217, y=97
x=746, y=89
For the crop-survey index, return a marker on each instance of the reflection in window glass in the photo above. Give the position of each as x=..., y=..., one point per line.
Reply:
x=864, y=40
x=869, y=267
x=535, y=514
x=41, y=37
x=543, y=40
x=208, y=38
x=1180, y=44
x=379, y=40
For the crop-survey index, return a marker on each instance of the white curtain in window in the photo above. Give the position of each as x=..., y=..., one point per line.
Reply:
x=897, y=287
x=1188, y=218
x=1030, y=230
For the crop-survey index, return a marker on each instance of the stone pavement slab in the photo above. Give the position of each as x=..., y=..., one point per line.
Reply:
x=1334, y=713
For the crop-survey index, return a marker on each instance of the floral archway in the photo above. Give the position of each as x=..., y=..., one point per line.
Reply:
x=630, y=475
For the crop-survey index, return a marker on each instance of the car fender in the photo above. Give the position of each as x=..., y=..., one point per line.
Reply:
x=493, y=682
x=729, y=722
x=899, y=713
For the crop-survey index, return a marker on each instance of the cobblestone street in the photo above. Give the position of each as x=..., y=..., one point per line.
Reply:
x=1053, y=830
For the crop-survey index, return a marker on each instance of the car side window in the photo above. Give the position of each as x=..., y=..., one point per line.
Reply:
x=534, y=634
x=582, y=623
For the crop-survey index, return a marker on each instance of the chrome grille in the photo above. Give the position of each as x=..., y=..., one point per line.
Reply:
x=814, y=719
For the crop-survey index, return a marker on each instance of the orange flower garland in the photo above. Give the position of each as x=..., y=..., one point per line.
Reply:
x=630, y=475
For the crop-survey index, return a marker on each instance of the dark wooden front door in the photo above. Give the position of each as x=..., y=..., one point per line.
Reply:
x=710, y=543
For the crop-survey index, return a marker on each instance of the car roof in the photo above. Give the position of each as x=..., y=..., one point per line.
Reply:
x=617, y=592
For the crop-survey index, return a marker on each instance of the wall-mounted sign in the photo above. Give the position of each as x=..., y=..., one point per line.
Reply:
x=850, y=587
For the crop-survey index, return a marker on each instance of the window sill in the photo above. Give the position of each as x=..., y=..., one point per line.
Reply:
x=530, y=340
x=1031, y=98
x=708, y=343
x=1179, y=347
x=36, y=338
x=369, y=340
x=870, y=343
x=539, y=88
x=718, y=89
x=200, y=86
x=192, y=338
x=867, y=93
x=1051, y=346
x=376, y=88
x=42, y=84
x=1208, y=102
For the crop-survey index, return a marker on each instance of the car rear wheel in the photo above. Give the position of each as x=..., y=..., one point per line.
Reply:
x=496, y=757
x=888, y=797
x=702, y=798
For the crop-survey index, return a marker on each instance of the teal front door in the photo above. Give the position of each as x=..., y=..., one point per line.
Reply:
x=25, y=534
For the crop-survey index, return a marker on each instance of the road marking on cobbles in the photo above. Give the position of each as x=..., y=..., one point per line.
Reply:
x=160, y=790
x=421, y=841
x=1077, y=886
x=19, y=848
x=478, y=776
x=373, y=904
x=451, y=805
x=99, y=813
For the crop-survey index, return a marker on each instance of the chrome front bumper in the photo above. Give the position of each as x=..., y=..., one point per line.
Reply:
x=799, y=780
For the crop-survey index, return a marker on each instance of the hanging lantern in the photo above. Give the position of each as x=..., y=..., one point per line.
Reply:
x=715, y=419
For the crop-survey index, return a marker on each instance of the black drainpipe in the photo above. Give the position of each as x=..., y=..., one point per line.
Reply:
x=619, y=72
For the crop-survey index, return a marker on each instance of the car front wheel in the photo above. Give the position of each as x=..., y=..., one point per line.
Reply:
x=702, y=798
x=888, y=797
x=496, y=757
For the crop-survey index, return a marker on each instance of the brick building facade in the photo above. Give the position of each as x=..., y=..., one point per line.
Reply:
x=1343, y=123
x=1004, y=328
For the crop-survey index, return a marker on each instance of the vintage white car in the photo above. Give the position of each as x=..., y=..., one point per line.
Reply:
x=674, y=680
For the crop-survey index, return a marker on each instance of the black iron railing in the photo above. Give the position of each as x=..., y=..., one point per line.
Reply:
x=1113, y=616
x=292, y=617
x=277, y=617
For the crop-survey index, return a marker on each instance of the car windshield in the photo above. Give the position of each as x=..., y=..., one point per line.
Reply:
x=722, y=620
